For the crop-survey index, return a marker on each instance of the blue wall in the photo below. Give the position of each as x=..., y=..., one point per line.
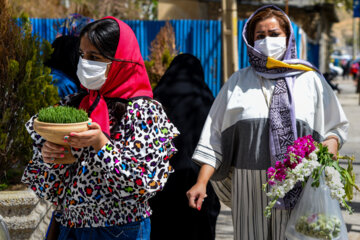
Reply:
x=202, y=38
x=313, y=53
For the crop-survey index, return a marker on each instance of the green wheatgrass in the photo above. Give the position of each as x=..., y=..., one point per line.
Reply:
x=62, y=114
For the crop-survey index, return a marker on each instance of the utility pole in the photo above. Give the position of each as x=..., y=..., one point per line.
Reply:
x=354, y=50
x=229, y=38
x=356, y=15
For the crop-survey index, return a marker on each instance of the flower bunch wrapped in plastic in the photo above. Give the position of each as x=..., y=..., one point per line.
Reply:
x=308, y=158
x=319, y=226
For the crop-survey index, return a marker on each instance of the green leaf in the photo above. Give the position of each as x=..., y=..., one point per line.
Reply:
x=336, y=165
x=348, y=177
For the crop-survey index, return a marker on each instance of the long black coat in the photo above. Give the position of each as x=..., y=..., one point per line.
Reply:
x=187, y=101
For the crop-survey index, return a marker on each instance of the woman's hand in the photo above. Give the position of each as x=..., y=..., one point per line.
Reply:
x=332, y=145
x=93, y=137
x=196, y=195
x=50, y=151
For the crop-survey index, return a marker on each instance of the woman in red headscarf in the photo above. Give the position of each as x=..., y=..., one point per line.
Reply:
x=123, y=159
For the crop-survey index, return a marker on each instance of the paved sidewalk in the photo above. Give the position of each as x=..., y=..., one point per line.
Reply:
x=350, y=102
x=224, y=227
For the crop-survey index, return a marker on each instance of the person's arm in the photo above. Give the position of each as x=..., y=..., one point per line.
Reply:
x=45, y=178
x=332, y=116
x=208, y=152
x=197, y=193
x=136, y=163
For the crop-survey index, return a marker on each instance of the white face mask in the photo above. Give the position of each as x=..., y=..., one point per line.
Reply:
x=91, y=73
x=274, y=47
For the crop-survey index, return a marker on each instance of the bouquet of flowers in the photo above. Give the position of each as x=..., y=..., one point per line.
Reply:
x=307, y=158
x=317, y=215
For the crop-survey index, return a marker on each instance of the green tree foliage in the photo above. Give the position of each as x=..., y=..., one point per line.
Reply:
x=162, y=52
x=347, y=4
x=125, y=9
x=25, y=87
x=122, y=9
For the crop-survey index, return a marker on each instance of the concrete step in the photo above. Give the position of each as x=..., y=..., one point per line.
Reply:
x=26, y=216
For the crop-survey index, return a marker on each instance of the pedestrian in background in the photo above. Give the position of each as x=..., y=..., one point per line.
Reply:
x=63, y=63
x=354, y=70
x=345, y=64
x=187, y=100
x=123, y=159
x=65, y=57
x=260, y=111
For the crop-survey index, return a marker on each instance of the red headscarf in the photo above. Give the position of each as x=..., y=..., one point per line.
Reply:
x=125, y=80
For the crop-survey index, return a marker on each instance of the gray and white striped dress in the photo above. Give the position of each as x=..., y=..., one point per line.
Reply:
x=235, y=141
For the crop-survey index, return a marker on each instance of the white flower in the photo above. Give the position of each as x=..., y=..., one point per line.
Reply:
x=313, y=155
x=313, y=165
x=307, y=171
x=304, y=169
x=280, y=191
x=289, y=184
x=333, y=181
x=300, y=178
x=299, y=173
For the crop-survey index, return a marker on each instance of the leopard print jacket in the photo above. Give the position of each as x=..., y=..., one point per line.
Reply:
x=111, y=186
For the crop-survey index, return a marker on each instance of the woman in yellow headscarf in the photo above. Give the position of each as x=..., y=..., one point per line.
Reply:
x=258, y=113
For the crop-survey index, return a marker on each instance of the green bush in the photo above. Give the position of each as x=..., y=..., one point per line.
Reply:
x=162, y=52
x=25, y=88
x=62, y=114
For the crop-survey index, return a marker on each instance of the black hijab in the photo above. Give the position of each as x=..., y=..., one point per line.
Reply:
x=187, y=100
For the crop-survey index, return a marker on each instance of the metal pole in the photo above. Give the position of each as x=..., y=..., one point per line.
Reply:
x=234, y=30
x=229, y=38
x=354, y=39
x=224, y=41
x=357, y=45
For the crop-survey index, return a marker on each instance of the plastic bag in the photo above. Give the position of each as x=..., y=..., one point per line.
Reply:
x=316, y=215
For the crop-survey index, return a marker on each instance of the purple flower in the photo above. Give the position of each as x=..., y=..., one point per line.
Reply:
x=290, y=165
x=271, y=183
x=280, y=171
x=301, y=148
x=280, y=175
x=279, y=165
x=270, y=172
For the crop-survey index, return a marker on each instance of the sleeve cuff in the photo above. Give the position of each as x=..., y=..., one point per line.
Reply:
x=204, y=155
